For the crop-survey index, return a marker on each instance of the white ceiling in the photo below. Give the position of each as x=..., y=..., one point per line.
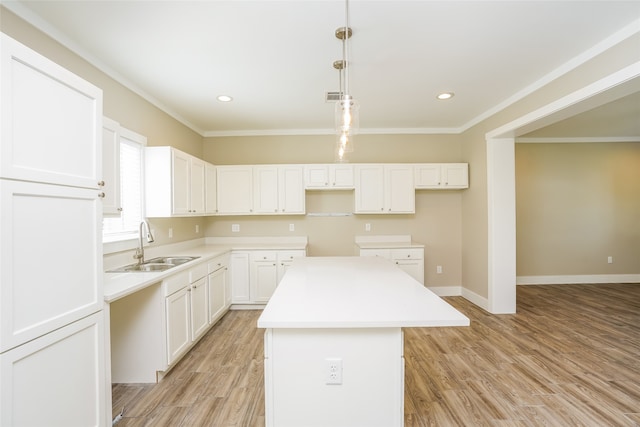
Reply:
x=275, y=57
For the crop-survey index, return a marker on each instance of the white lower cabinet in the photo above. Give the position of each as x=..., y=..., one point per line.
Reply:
x=153, y=328
x=263, y=275
x=199, y=298
x=219, y=291
x=177, y=317
x=256, y=273
x=410, y=260
x=57, y=379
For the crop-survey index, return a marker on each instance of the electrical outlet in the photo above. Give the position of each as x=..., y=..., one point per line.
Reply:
x=292, y=227
x=170, y=233
x=197, y=228
x=439, y=269
x=333, y=371
x=235, y=228
x=367, y=227
x=610, y=260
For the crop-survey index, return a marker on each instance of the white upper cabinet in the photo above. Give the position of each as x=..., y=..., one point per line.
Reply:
x=278, y=189
x=111, y=167
x=49, y=133
x=174, y=183
x=235, y=190
x=384, y=188
x=328, y=177
x=442, y=176
x=210, y=189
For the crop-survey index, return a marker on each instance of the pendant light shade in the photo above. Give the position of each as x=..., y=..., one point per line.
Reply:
x=347, y=115
x=347, y=112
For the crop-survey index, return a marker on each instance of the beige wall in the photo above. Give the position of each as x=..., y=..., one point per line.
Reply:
x=436, y=223
x=474, y=201
x=577, y=204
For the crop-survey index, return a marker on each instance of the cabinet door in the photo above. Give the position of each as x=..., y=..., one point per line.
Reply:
x=111, y=205
x=217, y=297
x=399, y=192
x=196, y=186
x=50, y=121
x=239, y=266
x=455, y=175
x=58, y=379
x=291, y=197
x=427, y=175
x=264, y=279
x=369, y=195
x=199, y=308
x=285, y=259
x=210, y=189
x=316, y=176
x=180, y=188
x=235, y=189
x=178, y=330
x=341, y=176
x=65, y=283
x=265, y=189
x=415, y=268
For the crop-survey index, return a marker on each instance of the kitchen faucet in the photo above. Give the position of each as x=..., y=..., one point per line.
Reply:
x=139, y=255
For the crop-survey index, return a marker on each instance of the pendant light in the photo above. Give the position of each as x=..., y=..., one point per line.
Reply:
x=347, y=108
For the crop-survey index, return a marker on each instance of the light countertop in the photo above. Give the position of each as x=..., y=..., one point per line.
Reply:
x=354, y=292
x=120, y=284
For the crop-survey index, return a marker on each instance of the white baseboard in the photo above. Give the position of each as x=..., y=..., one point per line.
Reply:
x=578, y=279
x=446, y=291
x=476, y=299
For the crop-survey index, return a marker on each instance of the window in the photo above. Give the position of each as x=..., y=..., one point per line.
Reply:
x=124, y=227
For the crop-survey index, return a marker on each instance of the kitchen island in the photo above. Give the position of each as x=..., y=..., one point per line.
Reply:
x=334, y=343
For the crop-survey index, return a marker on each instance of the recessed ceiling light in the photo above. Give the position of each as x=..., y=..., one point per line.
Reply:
x=445, y=95
x=225, y=98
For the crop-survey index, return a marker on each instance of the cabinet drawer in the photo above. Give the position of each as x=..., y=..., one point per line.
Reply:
x=175, y=283
x=198, y=272
x=290, y=255
x=216, y=264
x=400, y=254
x=383, y=253
x=264, y=256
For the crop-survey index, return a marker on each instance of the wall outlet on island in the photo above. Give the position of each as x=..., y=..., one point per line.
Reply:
x=333, y=372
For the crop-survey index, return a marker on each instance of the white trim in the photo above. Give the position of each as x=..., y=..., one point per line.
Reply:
x=584, y=97
x=446, y=291
x=476, y=299
x=331, y=131
x=621, y=35
x=578, y=279
x=578, y=140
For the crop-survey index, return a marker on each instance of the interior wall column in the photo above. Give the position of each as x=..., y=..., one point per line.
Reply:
x=501, y=195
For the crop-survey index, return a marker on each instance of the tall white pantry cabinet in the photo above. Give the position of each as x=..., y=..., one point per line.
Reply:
x=52, y=330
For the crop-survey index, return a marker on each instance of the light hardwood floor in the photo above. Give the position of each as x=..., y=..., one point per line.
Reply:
x=569, y=357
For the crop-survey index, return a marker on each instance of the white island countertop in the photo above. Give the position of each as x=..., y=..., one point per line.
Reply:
x=354, y=292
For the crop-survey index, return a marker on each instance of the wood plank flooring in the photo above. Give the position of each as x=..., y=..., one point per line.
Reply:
x=569, y=357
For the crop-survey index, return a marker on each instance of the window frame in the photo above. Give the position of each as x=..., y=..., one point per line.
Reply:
x=125, y=241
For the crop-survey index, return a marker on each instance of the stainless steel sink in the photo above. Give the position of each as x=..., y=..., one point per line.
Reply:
x=154, y=264
x=175, y=260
